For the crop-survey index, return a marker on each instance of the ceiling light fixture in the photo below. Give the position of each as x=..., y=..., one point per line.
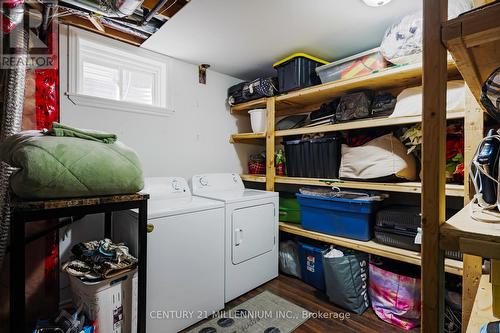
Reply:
x=376, y=3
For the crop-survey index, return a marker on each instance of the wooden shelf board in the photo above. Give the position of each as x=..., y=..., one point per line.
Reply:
x=243, y=107
x=411, y=257
x=463, y=233
x=407, y=187
x=482, y=309
x=367, y=123
x=473, y=40
x=254, y=138
x=403, y=76
x=253, y=178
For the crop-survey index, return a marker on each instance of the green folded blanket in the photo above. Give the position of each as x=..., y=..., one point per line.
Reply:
x=64, y=167
x=64, y=130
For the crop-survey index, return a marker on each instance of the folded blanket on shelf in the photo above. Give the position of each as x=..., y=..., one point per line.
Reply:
x=53, y=167
x=64, y=130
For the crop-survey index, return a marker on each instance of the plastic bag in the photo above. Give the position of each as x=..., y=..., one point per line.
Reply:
x=354, y=106
x=289, y=258
x=395, y=298
x=402, y=42
x=346, y=280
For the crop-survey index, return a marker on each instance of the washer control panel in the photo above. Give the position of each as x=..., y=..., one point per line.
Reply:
x=216, y=182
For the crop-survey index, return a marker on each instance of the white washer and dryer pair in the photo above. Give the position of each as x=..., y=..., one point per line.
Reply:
x=185, y=255
x=251, y=231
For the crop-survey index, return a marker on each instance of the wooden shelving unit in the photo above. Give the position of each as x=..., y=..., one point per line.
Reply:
x=482, y=308
x=358, y=124
x=411, y=257
x=391, y=78
x=453, y=190
x=252, y=138
x=463, y=233
x=473, y=40
x=254, y=178
x=244, y=107
x=435, y=71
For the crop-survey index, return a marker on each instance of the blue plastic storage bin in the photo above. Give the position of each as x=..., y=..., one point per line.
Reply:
x=311, y=264
x=337, y=216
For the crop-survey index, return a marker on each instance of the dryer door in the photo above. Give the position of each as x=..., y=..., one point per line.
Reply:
x=253, y=231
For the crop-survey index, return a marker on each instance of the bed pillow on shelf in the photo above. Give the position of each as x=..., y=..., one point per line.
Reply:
x=383, y=159
x=409, y=101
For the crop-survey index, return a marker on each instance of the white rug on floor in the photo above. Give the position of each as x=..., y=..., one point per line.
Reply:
x=264, y=313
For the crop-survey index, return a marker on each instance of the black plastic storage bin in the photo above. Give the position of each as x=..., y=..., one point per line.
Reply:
x=326, y=157
x=313, y=158
x=298, y=71
x=293, y=156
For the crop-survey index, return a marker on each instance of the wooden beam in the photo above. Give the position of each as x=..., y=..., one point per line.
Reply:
x=483, y=306
x=473, y=133
x=433, y=158
x=270, y=143
x=97, y=24
x=112, y=33
x=168, y=10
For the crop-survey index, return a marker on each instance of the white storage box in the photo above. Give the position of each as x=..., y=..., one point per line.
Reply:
x=111, y=302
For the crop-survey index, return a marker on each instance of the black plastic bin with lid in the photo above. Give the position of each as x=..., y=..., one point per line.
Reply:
x=313, y=158
x=298, y=71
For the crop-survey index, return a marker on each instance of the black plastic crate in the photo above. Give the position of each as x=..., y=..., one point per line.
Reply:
x=313, y=158
x=297, y=72
x=293, y=156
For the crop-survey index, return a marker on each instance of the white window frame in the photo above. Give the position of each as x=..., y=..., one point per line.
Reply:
x=84, y=45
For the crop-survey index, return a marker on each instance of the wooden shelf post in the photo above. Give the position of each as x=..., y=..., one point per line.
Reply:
x=270, y=142
x=473, y=133
x=433, y=156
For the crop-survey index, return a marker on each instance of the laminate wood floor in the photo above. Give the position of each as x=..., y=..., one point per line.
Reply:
x=300, y=293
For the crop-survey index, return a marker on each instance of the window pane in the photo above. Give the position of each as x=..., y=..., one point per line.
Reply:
x=100, y=81
x=138, y=87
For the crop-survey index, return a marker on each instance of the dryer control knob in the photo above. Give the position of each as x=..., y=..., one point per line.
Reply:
x=176, y=186
x=203, y=181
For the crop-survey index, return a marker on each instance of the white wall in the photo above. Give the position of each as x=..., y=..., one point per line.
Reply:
x=194, y=139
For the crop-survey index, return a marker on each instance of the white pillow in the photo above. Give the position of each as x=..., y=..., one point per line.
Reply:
x=382, y=157
x=409, y=101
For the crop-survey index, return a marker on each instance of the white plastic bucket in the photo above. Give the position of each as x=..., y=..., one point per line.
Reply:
x=258, y=120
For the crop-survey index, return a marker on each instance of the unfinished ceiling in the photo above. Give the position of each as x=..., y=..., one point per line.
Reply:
x=132, y=21
x=244, y=38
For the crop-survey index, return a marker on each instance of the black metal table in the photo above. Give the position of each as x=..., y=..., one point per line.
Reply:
x=23, y=212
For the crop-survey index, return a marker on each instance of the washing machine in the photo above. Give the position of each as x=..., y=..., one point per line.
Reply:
x=185, y=257
x=251, y=231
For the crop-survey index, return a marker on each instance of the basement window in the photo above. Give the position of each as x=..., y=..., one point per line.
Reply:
x=108, y=74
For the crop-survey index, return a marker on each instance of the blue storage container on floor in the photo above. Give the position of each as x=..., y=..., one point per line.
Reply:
x=349, y=218
x=311, y=262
